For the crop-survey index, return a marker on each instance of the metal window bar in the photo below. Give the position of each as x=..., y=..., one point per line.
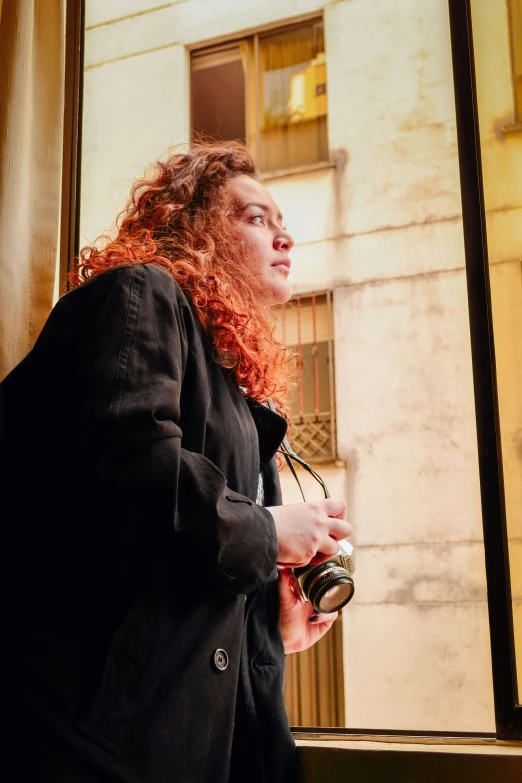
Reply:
x=331, y=373
x=315, y=351
x=300, y=359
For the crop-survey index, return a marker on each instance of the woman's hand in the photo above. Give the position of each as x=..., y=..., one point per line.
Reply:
x=300, y=626
x=308, y=532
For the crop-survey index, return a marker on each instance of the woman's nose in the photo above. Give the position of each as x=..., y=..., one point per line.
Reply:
x=284, y=241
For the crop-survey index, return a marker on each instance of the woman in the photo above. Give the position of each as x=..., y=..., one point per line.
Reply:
x=150, y=622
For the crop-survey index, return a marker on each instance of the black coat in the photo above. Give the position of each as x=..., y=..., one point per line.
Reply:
x=143, y=578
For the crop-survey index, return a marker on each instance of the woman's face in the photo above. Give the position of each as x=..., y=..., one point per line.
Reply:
x=266, y=243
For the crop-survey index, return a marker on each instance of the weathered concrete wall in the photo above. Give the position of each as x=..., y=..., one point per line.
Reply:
x=405, y=416
x=382, y=227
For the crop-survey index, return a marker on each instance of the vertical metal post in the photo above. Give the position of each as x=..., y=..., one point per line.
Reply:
x=331, y=371
x=314, y=356
x=300, y=359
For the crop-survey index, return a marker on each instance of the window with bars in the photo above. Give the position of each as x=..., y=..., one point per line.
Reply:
x=305, y=326
x=268, y=89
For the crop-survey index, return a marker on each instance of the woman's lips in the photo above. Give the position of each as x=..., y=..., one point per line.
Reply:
x=283, y=262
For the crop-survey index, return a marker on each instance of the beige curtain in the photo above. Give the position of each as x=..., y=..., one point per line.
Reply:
x=282, y=56
x=31, y=130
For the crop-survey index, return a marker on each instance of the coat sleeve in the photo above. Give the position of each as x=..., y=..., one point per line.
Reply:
x=133, y=362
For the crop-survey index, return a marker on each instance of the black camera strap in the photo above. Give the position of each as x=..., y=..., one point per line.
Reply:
x=290, y=456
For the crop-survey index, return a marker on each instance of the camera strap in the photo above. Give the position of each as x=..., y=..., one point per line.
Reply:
x=290, y=456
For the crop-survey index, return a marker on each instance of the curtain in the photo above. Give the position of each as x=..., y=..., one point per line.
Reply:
x=32, y=43
x=283, y=57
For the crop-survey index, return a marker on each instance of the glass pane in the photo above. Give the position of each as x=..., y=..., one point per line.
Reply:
x=382, y=230
x=217, y=92
x=501, y=166
x=293, y=99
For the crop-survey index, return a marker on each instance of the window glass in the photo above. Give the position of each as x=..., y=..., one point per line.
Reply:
x=382, y=231
x=293, y=98
x=218, y=95
x=269, y=89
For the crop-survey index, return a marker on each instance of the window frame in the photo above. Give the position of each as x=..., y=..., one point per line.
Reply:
x=252, y=108
x=508, y=712
x=72, y=139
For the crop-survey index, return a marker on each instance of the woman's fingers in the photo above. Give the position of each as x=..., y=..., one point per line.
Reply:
x=322, y=557
x=339, y=529
x=323, y=618
x=334, y=508
x=309, y=530
x=300, y=625
x=328, y=547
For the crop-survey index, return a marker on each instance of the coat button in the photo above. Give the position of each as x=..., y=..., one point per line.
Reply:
x=221, y=660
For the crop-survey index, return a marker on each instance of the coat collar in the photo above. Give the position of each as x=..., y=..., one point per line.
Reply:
x=271, y=429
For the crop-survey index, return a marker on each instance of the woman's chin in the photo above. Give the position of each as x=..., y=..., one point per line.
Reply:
x=280, y=293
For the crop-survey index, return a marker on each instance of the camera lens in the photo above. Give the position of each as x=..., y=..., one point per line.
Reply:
x=328, y=587
x=336, y=597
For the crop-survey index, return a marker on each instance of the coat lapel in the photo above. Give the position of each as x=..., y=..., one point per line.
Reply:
x=271, y=429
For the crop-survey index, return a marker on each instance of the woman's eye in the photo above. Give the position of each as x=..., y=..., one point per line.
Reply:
x=259, y=219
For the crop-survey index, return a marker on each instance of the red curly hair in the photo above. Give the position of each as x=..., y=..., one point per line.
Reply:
x=180, y=219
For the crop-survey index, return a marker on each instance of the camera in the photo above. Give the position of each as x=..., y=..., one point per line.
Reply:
x=329, y=585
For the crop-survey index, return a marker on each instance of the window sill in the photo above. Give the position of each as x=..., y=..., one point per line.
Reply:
x=290, y=172
x=514, y=127
x=321, y=463
x=411, y=744
x=428, y=760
